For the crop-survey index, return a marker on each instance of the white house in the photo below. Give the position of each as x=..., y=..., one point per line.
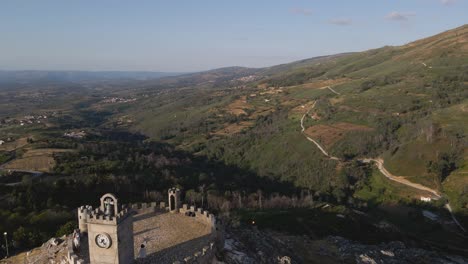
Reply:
x=426, y=199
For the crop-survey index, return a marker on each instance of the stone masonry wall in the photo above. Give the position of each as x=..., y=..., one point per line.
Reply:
x=198, y=255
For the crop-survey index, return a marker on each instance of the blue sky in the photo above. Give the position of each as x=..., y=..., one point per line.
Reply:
x=198, y=35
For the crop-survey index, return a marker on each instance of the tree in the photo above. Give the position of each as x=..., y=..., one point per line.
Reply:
x=66, y=228
x=201, y=188
x=192, y=196
x=444, y=165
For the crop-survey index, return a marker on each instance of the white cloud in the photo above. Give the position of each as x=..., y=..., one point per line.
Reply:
x=448, y=2
x=399, y=16
x=341, y=21
x=301, y=11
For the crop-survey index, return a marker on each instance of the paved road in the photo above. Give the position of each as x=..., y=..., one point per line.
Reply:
x=380, y=165
x=35, y=174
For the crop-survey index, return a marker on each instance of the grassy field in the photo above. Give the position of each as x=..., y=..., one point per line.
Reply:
x=35, y=160
x=379, y=190
x=454, y=117
x=13, y=145
x=410, y=160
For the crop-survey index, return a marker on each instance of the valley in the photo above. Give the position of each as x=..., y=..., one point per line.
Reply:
x=372, y=137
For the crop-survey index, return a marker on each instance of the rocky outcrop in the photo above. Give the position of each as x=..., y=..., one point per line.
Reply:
x=392, y=252
x=249, y=245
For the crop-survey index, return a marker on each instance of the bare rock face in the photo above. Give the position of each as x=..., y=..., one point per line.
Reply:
x=249, y=245
x=52, y=251
x=392, y=252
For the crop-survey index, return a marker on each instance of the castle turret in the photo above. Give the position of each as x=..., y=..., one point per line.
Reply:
x=174, y=200
x=83, y=217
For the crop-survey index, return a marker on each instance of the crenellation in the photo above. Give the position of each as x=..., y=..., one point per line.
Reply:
x=203, y=256
x=109, y=216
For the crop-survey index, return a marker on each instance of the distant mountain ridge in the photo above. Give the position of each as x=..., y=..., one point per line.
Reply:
x=26, y=76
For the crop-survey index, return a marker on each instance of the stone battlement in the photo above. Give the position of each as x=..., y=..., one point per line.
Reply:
x=140, y=208
x=200, y=214
x=87, y=215
x=72, y=258
x=204, y=255
x=206, y=236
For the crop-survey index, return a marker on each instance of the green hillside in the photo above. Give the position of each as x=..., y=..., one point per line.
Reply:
x=301, y=134
x=406, y=104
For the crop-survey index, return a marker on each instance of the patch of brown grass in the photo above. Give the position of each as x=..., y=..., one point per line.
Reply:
x=19, y=143
x=261, y=111
x=322, y=83
x=330, y=134
x=336, y=100
x=36, y=160
x=302, y=109
x=239, y=106
x=235, y=128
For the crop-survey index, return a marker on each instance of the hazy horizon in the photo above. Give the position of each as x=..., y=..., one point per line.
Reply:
x=166, y=37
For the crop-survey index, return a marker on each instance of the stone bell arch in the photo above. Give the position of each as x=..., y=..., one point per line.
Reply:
x=109, y=204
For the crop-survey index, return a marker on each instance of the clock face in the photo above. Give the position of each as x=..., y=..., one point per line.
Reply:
x=103, y=241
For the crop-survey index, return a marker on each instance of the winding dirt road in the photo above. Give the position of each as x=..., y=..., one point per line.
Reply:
x=380, y=165
x=312, y=140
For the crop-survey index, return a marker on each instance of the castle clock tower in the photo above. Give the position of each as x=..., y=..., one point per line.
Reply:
x=110, y=233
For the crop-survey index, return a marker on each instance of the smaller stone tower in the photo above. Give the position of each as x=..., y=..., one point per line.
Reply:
x=174, y=200
x=83, y=217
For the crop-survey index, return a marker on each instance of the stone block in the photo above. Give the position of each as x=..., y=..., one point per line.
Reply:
x=205, y=249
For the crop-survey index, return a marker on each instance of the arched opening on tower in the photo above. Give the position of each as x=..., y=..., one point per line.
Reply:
x=172, y=203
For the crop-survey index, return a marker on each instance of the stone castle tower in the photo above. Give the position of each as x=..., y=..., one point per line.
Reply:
x=109, y=238
x=110, y=231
